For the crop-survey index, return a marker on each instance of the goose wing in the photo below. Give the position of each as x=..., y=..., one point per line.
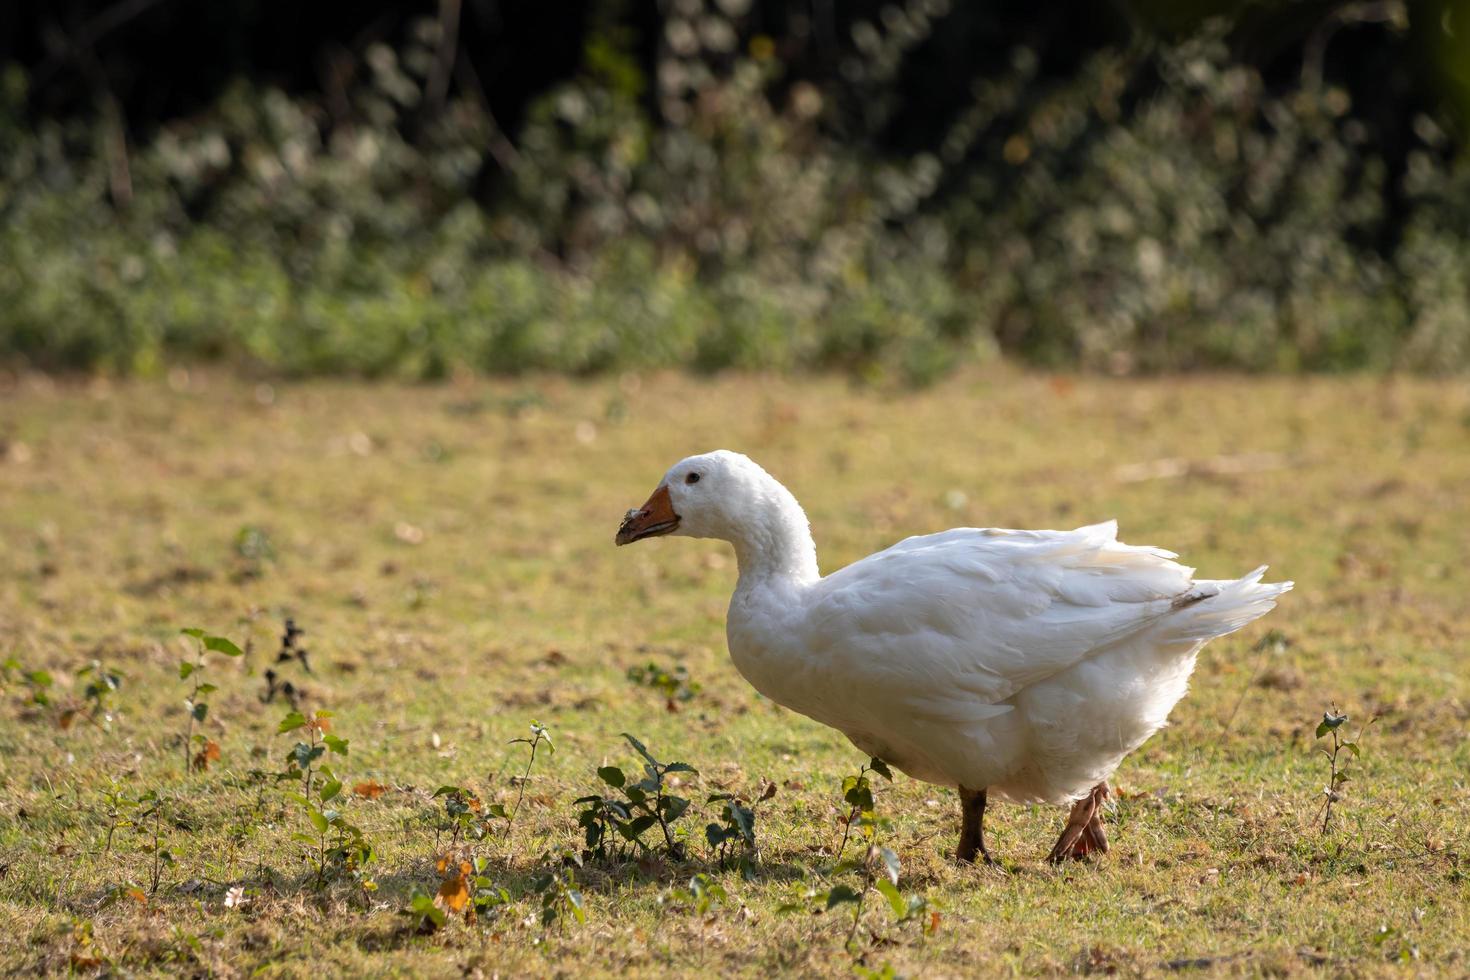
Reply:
x=951, y=625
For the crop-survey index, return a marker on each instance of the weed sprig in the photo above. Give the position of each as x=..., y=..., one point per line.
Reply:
x=196, y=709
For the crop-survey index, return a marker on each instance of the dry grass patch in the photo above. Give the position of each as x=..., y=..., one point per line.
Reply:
x=448, y=552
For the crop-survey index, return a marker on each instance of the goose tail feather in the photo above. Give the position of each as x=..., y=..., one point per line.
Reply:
x=1215, y=608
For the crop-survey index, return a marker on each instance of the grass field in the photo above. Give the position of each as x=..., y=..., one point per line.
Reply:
x=448, y=551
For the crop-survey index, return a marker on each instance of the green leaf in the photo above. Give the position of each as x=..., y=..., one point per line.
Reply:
x=331, y=789
x=318, y=819
x=1353, y=748
x=881, y=768
x=540, y=731
x=860, y=796
x=449, y=791
x=1330, y=722
x=185, y=669
x=195, y=632
x=304, y=755
x=896, y=901
x=292, y=722
x=206, y=689
x=337, y=745
x=199, y=710
x=221, y=645
x=890, y=863
x=744, y=820
x=640, y=749
x=841, y=894
x=679, y=767
x=574, y=899
x=637, y=826
x=673, y=807
x=612, y=775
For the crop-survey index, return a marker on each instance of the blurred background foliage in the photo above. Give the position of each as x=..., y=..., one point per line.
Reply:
x=887, y=188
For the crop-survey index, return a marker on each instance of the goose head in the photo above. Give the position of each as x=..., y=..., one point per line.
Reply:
x=705, y=496
x=728, y=496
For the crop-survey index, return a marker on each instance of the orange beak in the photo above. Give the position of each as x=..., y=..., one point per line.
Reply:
x=654, y=518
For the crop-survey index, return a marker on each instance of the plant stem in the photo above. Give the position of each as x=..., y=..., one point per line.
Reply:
x=521, y=789
x=189, y=724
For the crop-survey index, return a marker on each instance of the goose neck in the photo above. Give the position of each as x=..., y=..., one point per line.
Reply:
x=777, y=549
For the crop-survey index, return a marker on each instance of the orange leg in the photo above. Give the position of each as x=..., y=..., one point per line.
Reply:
x=1084, y=831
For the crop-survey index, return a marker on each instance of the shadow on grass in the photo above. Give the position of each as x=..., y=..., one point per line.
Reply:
x=393, y=887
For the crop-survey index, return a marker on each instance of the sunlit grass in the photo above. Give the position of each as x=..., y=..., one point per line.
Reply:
x=449, y=551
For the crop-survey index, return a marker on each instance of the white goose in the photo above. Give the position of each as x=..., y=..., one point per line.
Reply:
x=1020, y=665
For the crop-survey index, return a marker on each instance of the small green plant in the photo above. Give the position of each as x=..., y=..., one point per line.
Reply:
x=487, y=899
x=674, y=684
x=424, y=912
x=117, y=809
x=539, y=734
x=857, y=793
x=465, y=888
x=95, y=705
x=1395, y=946
x=334, y=840
x=643, y=805
x=195, y=709
x=36, y=684
x=560, y=896
x=699, y=896
x=736, y=826
x=102, y=683
x=466, y=815
x=878, y=868
x=1331, y=725
x=151, y=815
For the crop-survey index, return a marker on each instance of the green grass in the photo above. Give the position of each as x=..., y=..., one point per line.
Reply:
x=449, y=551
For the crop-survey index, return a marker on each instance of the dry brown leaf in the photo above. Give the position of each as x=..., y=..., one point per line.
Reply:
x=370, y=789
x=454, y=894
x=64, y=720
x=206, y=755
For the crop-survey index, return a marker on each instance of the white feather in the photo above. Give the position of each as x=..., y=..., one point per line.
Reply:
x=1026, y=662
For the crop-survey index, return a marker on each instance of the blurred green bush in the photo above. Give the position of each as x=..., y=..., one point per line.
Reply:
x=1195, y=222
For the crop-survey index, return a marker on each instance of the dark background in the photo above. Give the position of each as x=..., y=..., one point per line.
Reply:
x=506, y=185
x=163, y=60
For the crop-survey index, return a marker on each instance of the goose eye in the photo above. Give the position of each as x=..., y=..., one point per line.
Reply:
x=692, y=478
